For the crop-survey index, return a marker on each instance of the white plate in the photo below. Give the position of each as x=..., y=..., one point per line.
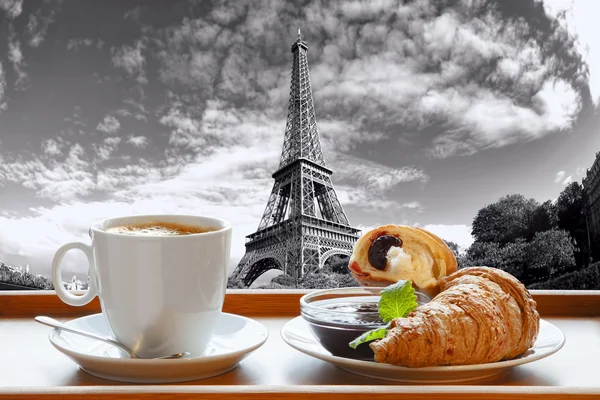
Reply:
x=297, y=334
x=235, y=337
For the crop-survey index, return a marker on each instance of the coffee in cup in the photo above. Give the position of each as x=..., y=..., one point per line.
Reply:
x=158, y=228
x=160, y=279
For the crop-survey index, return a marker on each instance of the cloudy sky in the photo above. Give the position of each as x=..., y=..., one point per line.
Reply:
x=427, y=110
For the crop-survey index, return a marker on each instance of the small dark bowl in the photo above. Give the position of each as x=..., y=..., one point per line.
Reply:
x=338, y=316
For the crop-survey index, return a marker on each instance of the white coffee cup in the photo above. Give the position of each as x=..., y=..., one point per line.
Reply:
x=161, y=295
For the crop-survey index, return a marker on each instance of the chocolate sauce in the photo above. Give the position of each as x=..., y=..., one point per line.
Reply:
x=340, y=323
x=379, y=248
x=337, y=342
x=347, y=313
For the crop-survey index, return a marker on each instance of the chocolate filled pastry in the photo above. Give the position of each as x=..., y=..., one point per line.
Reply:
x=481, y=315
x=390, y=253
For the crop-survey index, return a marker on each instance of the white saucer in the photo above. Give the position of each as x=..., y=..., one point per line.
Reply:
x=235, y=338
x=297, y=334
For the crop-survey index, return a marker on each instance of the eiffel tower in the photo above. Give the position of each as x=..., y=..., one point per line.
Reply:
x=304, y=223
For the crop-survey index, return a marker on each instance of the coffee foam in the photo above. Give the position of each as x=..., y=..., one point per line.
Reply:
x=157, y=229
x=144, y=231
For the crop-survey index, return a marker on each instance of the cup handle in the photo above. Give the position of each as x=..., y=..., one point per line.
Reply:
x=62, y=293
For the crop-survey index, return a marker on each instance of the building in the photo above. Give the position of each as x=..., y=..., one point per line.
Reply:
x=591, y=185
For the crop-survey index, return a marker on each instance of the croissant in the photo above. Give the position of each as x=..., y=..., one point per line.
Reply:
x=481, y=315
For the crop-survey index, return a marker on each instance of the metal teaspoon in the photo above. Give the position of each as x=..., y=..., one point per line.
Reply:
x=56, y=324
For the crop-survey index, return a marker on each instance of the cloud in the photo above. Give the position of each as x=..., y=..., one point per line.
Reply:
x=3, y=105
x=51, y=147
x=228, y=12
x=56, y=180
x=109, y=124
x=221, y=126
x=472, y=70
x=126, y=113
x=13, y=8
x=459, y=234
x=131, y=59
x=140, y=110
x=561, y=176
x=108, y=146
x=366, y=228
x=15, y=55
x=375, y=177
x=123, y=113
x=371, y=201
x=76, y=118
x=118, y=181
x=359, y=10
x=197, y=69
x=211, y=57
x=487, y=120
x=412, y=204
x=77, y=43
x=37, y=237
x=138, y=141
x=38, y=24
x=186, y=130
x=133, y=14
x=339, y=135
x=580, y=19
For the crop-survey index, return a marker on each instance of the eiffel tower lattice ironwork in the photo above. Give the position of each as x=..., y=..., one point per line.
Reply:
x=303, y=223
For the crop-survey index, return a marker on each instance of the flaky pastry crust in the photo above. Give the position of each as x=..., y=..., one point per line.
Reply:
x=481, y=315
x=415, y=241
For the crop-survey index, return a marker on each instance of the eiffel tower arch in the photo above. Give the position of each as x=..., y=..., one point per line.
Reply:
x=303, y=223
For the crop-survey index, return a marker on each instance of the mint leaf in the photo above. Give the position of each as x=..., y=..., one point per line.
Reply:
x=397, y=301
x=368, y=336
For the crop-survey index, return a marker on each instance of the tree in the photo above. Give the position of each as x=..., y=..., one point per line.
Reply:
x=509, y=257
x=504, y=221
x=275, y=285
x=453, y=246
x=337, y=263
x=586, y=279
x=326, y=281
x=284, y=280
x=543, y=218
x=550, y=253
x=317, y=280
x=235, y=283
x=570, y=210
